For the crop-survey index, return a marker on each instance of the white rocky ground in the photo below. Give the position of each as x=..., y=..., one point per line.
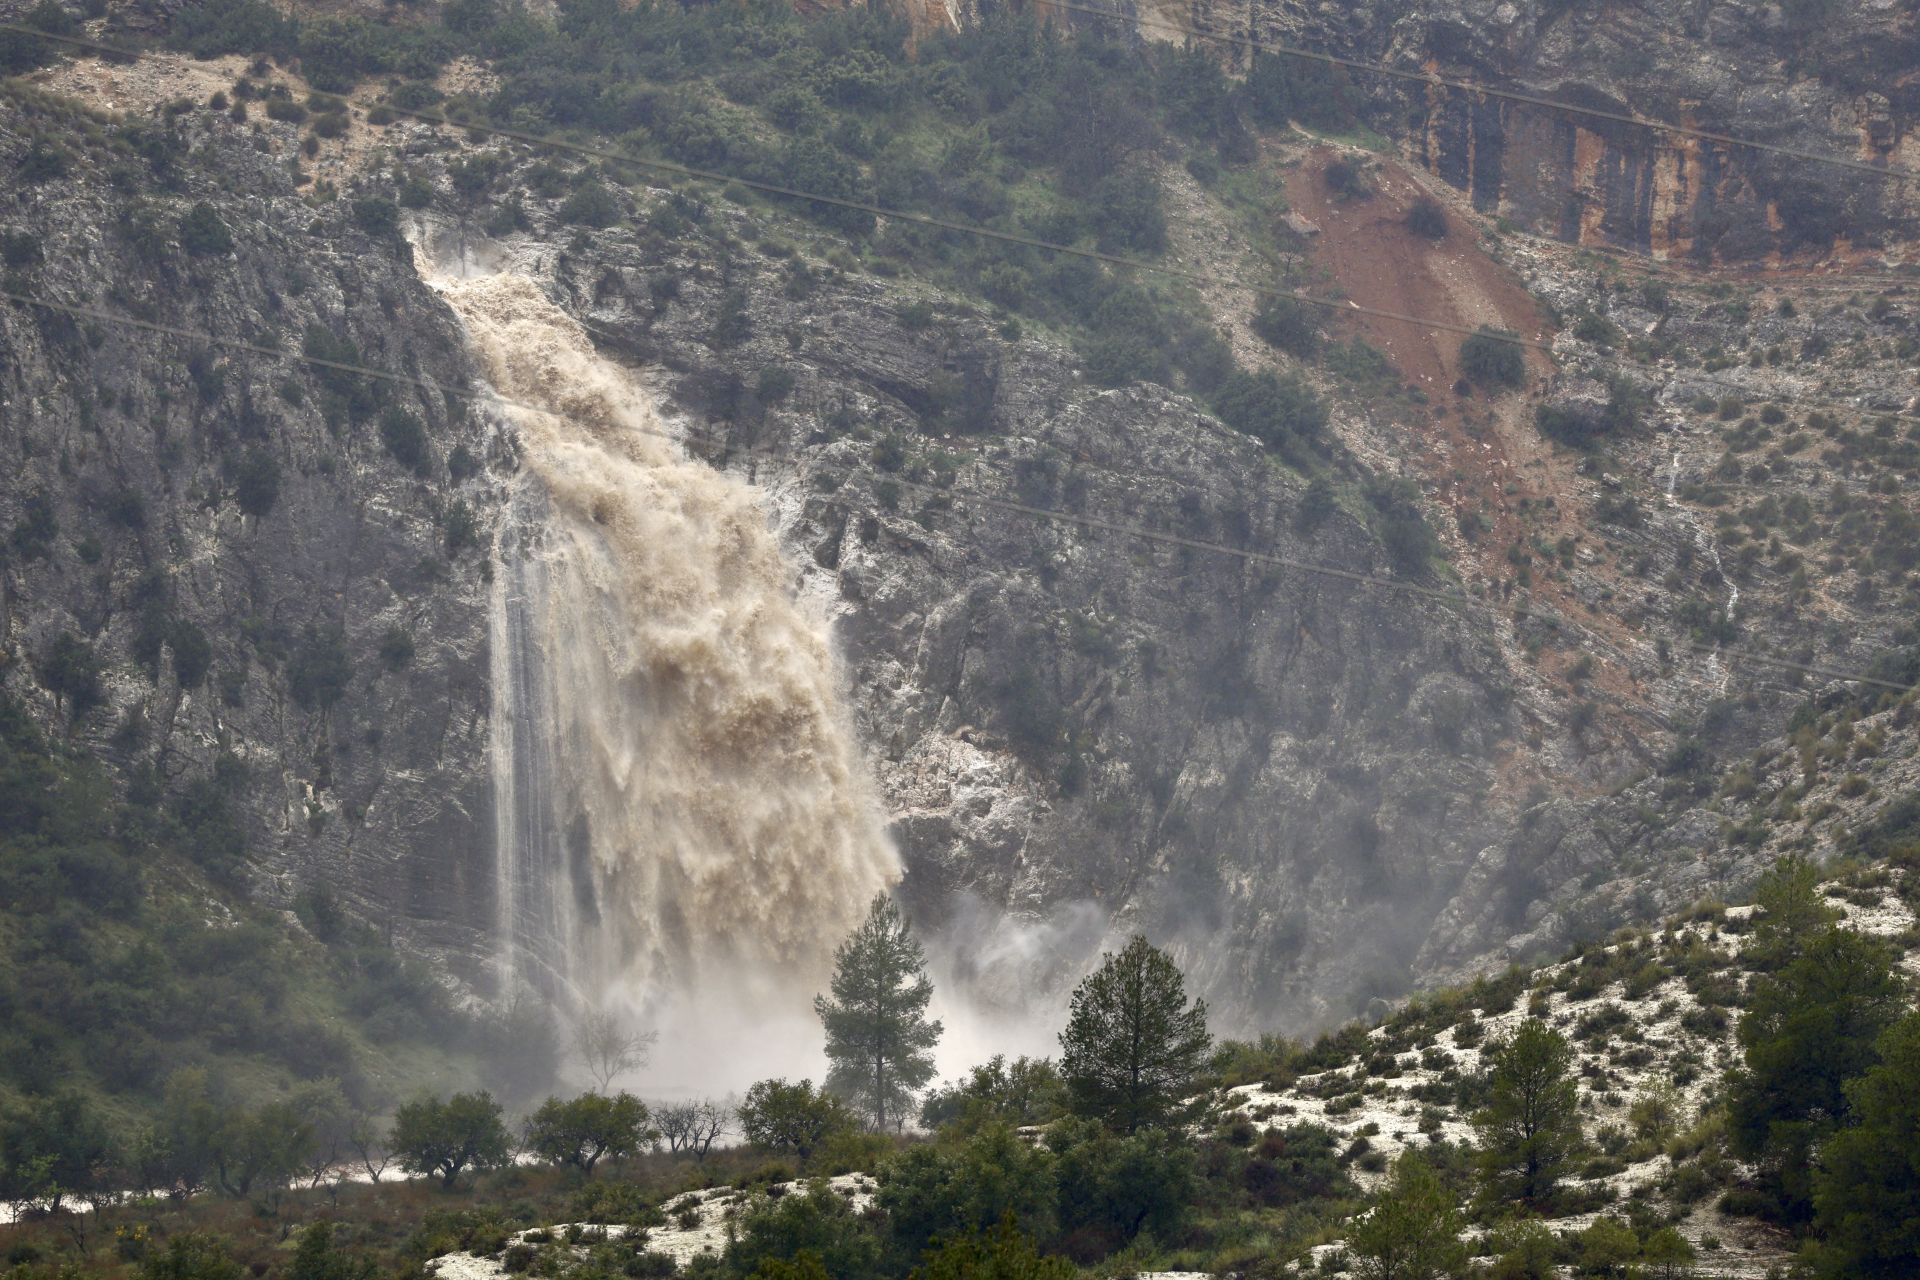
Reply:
x=1630, y=1045
x=697, y=1222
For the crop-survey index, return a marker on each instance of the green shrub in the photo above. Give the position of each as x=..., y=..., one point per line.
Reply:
x=215, y=27
x=70, y=670
x=1276, y=411
x=377, y=216
x=318, y=670
x=20, y=249
x=1403, y=530
x=405, y=438
x=203, y=234
x=286, y=110
x=21, y=52
x=1426, y=217
x=1492, y=358
x=1289, y=324
x=396, y=648
x=1128, y=217
x=256, y=482
x=591, y=205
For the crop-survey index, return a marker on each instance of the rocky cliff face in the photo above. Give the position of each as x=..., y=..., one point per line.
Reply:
x=1063, y=716
x=267, y=593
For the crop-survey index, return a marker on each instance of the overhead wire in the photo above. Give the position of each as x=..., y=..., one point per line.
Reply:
x=1456, y=599
x=1434, y=80
x=1338, y=306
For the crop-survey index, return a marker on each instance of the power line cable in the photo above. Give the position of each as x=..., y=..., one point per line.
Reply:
x=1333, y=305
x=879, y=211
x=1432, y=80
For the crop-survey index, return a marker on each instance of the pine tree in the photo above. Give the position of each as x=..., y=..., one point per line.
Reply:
x=879, y=1039
x=1792, y=913
x=1530, y=1128
x=1866, y=1195
x=1808, y=1029
x=1132, y=1046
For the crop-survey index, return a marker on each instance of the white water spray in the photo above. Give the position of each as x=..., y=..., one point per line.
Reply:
x=685, y=824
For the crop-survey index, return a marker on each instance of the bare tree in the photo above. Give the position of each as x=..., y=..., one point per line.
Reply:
x=711, y=1122
x=675, y=1120
x=693, y=1127
x=608, y=1049
x=323, y=1107
x=367, y=1136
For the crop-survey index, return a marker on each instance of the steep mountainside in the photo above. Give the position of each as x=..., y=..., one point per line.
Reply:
x=1394, y=675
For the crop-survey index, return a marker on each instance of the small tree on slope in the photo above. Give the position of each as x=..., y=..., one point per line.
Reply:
x=879, y=1040
x=583, y=1130
x=1132, y=1046
x=1530, y=1128
x=1412, y=1232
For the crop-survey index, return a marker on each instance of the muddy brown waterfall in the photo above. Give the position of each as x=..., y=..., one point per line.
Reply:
x=685, y=825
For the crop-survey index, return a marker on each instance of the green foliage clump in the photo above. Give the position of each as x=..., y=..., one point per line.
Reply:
x=1006, y=1254
x=1866, y=1193
x=1281, y=412
x=377, y=216
x=1426, y=217
x=792, y=1117
x=1413, y=1228
x=1289, y=324
x=21, y=51
x=1579, y=428
x=192, y=1255
x=319, y=670
x=1127, y=214
x=1025, y=1091
x=1491, y=358
x=590, y=205
x=256, y=482
x=938, y=1191
x=805, y=1235
x=1116, y=1186
x=70, y=669
x=51, y=1149
x=583, y=1131
x=1403, y=529
x=203, y=234
x=20, y=250
x=446, y=1138
x=284, y=109
x=1809, y=1028
x=215, y=27
x=405, y=437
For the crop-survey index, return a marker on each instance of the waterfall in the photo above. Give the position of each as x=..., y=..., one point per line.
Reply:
x=686, y=828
